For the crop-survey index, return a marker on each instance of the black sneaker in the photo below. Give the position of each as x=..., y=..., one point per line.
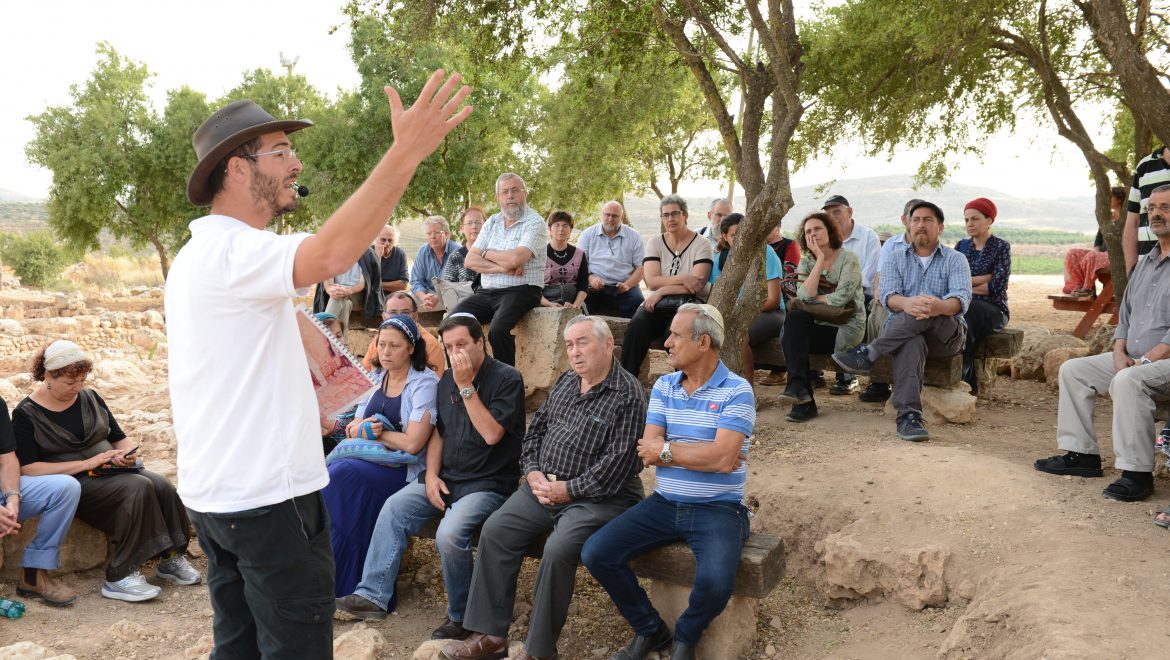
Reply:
x=854, y=360
x=802, y=412
x=844, y=387
x=816, y=380
x=1078, y=465
x=875, y=393
x=641, y=647
x=910, y=428
x=357, y=606
x=795, y=394
x=450, y=630
x=1131, y=486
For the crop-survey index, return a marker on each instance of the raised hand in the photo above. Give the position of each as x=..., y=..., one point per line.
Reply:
x=420, y=129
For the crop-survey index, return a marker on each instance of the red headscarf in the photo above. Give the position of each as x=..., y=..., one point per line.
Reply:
x=983, y=205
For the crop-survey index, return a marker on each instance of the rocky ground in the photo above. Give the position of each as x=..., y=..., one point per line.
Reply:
x=954, y=548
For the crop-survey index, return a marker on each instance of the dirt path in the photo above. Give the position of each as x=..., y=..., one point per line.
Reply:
x=1031, y=565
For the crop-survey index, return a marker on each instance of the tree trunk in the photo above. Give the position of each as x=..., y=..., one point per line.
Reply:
x=163, y=260
x=1143, y=87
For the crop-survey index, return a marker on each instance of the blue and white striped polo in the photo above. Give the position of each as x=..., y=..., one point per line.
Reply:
x=725, y=401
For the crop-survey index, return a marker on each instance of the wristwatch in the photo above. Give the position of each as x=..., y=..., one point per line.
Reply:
x=665, y=455
x=1145, y=360
x=11, y=493
x=467, y=392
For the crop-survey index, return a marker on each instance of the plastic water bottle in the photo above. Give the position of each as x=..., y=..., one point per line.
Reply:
x=1162, y=442
x=13, y=609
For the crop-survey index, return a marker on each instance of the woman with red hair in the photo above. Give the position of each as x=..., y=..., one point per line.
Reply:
x=990, y=259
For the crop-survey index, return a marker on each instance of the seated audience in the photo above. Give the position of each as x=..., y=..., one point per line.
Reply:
x=470, y=224
x=990, y=260
x=65, y=428
x=615, y=252
x=472, y=467
x=863, y=242
x=574, y=485
x=360, y=285
x=698, y=430
x=770, y=320
x=789, y=252
x=392, y=260
x=401, y=302
x=1136, y=374
x=508, y=257
x=566, y=269
x=430, y=261
x=1081, y=264
x=52, y=500
x=677, y=265
x=926, y=286
x=405, y=399
x=828, y=275
x=719, y=209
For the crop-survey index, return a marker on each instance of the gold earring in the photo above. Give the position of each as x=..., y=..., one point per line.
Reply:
x=48, y=386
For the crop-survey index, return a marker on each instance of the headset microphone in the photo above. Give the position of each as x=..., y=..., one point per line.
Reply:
x=302, y=191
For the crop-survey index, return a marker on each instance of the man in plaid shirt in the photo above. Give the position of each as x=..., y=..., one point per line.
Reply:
x=927, y=288
x=581, y=470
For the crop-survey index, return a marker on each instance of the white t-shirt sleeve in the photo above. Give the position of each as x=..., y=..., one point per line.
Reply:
x=260, y=265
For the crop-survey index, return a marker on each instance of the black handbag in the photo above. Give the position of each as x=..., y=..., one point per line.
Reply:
x=670, y=304
x=561, y=293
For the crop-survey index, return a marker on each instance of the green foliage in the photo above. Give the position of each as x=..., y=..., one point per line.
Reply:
x=1037, y=265
x=36, y=258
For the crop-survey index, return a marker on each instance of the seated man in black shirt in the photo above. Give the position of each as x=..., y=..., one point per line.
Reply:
x=473, y=466
x=581, y=467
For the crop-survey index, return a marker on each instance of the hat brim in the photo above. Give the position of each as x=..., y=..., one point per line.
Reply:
x=198, y=192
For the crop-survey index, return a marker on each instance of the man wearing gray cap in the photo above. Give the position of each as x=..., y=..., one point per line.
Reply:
x=863, y=242
x=249, y=447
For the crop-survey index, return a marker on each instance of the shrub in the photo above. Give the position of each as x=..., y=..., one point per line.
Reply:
x=35, y=258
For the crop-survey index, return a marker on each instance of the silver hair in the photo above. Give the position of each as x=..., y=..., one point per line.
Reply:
x=600, y=327
x=393, y=231
x=703, y=324
x=673, y=198
x=1165, y=187
x=509, y=175
x=717, y=200
x=909, y=205
x=437, y=220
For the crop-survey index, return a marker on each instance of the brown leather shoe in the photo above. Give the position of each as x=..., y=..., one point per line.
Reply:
x=50, y=591
x=525, y=655
x=476, y=647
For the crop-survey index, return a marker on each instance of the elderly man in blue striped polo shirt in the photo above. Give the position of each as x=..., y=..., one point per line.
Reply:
x=698, y=428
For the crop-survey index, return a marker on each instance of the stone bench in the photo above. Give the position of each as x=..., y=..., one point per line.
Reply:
x=84, y=548
x=671, y=571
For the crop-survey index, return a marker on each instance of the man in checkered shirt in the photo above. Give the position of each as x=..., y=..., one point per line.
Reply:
x=581, y=470
x=509, y=255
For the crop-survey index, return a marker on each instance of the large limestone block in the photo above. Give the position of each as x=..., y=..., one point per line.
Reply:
x=914, y=577
x=30, y=651
x=84, y=548
x=942, y=405
x=431, y=648
x=540, y=346
x=1055, y=358
x=11, y=328
x=1029, y=364
x=360, y=643
x=730, y=635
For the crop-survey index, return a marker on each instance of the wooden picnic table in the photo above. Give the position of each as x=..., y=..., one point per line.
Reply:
x=1104, y=303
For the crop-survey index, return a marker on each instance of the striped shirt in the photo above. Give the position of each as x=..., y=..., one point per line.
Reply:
x=588, y=440
x=725, y=401
x=946, y=275
x=529, y=231
x=1151, y=172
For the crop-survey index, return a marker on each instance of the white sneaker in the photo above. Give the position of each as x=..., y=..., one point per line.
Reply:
x=178, y=570
x=132, y=588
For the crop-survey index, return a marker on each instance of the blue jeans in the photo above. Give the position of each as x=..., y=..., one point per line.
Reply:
x=403, y=514
x=715, y=532
x=54, y=498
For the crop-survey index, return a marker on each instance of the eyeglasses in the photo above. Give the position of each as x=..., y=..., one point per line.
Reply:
x=385, y=240
x=283, y=153
x=672, y=215
x=512, y=191
x=1161, y=208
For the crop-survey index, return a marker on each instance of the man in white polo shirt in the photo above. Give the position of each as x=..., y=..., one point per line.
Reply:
x=245, y=415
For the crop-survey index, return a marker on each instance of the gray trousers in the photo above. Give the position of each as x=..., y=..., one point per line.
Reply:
x=908, y=341
x=1135, y=392
x=516, y=525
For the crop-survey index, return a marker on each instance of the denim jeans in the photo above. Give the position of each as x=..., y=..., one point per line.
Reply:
x=403, y=515
x=52, y=497
x=270, y=578
x=715, y=532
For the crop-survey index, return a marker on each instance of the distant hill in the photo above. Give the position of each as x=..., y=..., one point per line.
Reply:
x=23, y=217
x=13, y=196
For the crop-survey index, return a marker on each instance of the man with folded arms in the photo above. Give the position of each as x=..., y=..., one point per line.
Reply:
x=698, y=428
x=581, y=468
x=1136, y=374
x=472, y=468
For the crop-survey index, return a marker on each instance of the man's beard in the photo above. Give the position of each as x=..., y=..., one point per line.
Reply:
x=1162, y=229
x=267, y=189
x=922, y=240
x=521, y=209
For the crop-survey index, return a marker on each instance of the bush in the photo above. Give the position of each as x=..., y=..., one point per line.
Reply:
x=35, y=258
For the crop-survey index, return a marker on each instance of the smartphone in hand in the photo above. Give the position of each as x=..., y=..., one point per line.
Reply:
x=130, y=452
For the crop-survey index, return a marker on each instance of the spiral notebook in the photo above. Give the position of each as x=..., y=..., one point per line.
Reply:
x=338, y=376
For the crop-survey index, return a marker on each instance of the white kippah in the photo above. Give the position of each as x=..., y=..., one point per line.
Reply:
x=63, y=353
x=714, y=313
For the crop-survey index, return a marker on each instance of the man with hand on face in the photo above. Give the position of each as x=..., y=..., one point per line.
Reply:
x=472, y=468
x=1136, y=374
x=245, y=415
x=581, y=466
x=615, y=254
x=392, y=260
x=926, y=286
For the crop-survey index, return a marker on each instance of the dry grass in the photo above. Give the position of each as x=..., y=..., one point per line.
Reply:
x=102, y=272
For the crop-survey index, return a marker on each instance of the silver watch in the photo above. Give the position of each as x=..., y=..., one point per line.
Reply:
x=665, y=456
x=467, y=392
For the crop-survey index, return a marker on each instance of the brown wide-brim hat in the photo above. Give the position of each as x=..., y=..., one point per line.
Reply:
x=230, y=126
